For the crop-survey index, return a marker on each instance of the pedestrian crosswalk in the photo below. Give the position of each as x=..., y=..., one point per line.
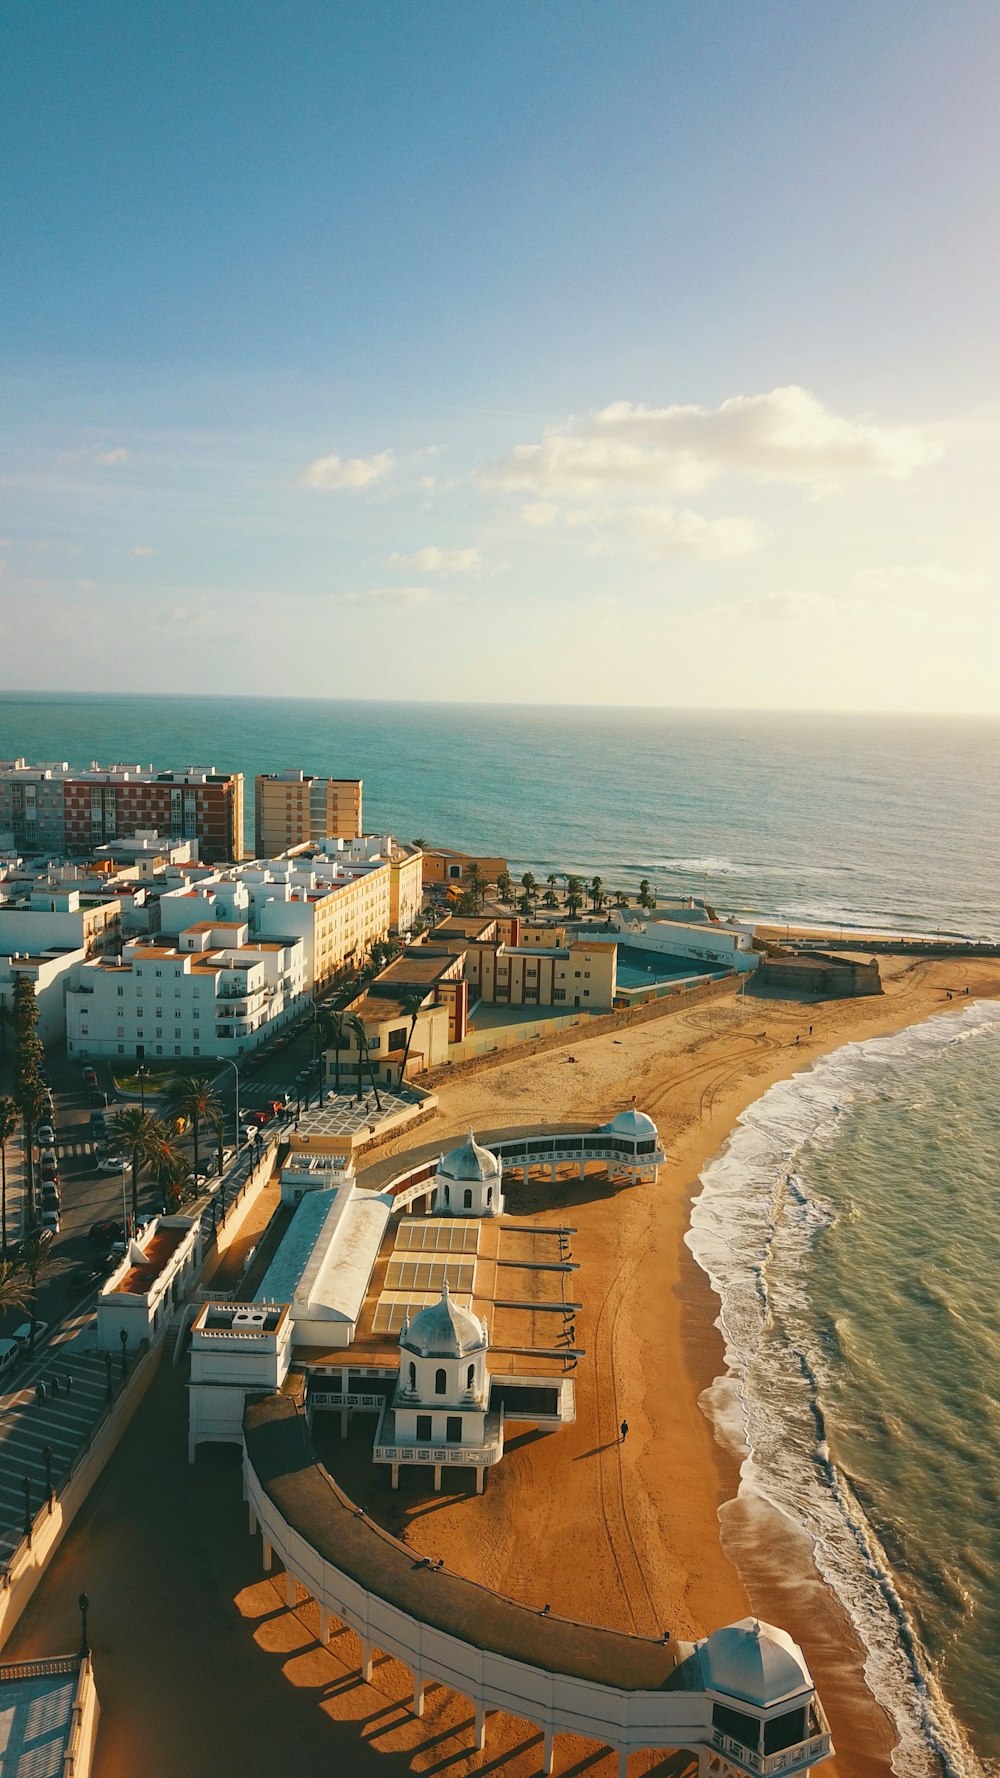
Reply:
x=67, y=1150
x=40, y=1435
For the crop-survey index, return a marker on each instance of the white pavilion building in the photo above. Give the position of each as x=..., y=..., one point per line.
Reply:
x=468, y=1181
x=440, y=1411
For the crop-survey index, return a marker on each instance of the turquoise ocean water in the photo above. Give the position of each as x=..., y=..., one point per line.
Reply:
x=892, y=821
x=852, y=1224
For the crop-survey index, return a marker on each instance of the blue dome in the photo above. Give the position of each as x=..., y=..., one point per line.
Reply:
x=469, y=1162
x=443, y=1330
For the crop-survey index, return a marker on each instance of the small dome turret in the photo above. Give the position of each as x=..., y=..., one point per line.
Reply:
x=470, y=1161
x=444, y=1330
x=754, y=1662
x=634, y=1124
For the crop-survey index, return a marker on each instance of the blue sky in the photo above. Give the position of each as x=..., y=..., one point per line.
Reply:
x=587, y=352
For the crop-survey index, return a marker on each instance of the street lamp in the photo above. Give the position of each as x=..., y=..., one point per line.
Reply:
x=47, y=1455
x=110, y=1387
x=84, y=1604
x=125, y=1226
x=26, y=1485
x=123, y=1336
x=142, y=1074
x=225, y=1062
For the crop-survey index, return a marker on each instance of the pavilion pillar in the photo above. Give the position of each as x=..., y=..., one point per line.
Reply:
x=479, y=1733
x=480, y=1477
x=324, y=1626
x=623, y=1762
x=251, y=1520
x=366, y=1661
x=554, y=1173
x=291, y=1590
x=548, y=1751
x=344, y=1412
x=395, y=1474
x=437, y=1478
x=583, y=1169
x=266, y=1555
x=419, y=1689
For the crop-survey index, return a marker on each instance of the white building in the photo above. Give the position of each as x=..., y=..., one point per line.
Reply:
x=52, y=973
x=728, y=947
x=215, y=994
x=156, y=1273
x=237, y=1349
x=442, y=1400
x=468, y=1182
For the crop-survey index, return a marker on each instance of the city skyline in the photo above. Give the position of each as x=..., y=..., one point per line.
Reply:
x=477, y=349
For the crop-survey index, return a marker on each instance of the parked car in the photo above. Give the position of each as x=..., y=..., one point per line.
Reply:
x=258, y=1117
x=50, y=1219
x=49, y=1104
x=98, y=1123
x=108, y=1160
x=45, y=1136
x=48, y=1161
x=10, y=1352
x=90, y=1077
x=49, y=1195
x=22, y=1334
x=101, y=1234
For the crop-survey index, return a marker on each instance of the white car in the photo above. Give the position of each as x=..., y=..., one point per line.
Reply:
x=45, y=1136
x=50, y=1220
x=10, y=1352
x=22, y=1334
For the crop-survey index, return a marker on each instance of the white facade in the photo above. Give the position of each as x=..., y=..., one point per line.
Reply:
x=55, y=918
x=237, y=1349
x=726, y=946
x=325, y=1261
x=52, y=974
x=207, y=997
x=468, y=1181
x=155, y=1274
x=440, y=1409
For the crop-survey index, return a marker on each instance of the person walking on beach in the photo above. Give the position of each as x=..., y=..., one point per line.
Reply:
x=624, y=1430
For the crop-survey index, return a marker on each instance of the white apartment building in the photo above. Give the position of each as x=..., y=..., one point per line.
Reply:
x=215, y=992
x=51, y=973
x=336, y=902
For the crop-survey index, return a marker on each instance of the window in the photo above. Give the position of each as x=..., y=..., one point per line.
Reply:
x=121, y=993
x=177, y=1049
x=159, y=1049
x=586, y=993
x=440, y=1382
x=467, y=1199
x=470, y=1376
x=453, y=1429
x=586, y=975
x=121, y=1049
x=489, y=1194
x=424, y=1428
x=447, y=1194
x=558, y=993
x=197, y=1051
x=412, y=1373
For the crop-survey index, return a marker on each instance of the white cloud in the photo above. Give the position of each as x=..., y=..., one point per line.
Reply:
x=658, y=531
x=346, y=472
x=142, y=549
x=432, y=560
x=107, y=459
x=540, y=513
x=785, y=435
x=426, y=483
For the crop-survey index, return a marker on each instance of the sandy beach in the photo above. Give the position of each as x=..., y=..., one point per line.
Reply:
x=637, y=1535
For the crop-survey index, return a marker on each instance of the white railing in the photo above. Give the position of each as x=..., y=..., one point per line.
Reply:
x=327, y=1398
x=790, y=1759
x=477, y=1455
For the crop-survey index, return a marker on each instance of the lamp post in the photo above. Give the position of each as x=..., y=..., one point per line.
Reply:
x=84, y=1604
x=125, y=1226
x=123, y=1336
x=225, y=1062
x=47, y=1455
x=26, y=1485
x=142, y=1074
x=110, y=1387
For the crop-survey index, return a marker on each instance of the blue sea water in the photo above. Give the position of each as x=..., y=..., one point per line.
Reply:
x=878, y=821
x=851, y=1227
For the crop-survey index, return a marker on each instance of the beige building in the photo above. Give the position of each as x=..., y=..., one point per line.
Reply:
x=440, y=1018
x=292, y=808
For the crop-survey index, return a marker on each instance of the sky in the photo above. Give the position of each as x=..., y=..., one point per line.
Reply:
x=556, y=351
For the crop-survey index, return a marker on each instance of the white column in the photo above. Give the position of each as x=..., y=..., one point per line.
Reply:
x=344, y=1412
x=480, y=1476
x=252, y=1520
x=437, y=1478
x=583, y=1169
x=623, y=1762
x=395, y=1474
x=548, y=1751
x=291, y=1591
x=480, y=1729
x=324, y=1625
x=266, y=1555
x=366, y=1661
x=554, y=1171
x=419, y=1688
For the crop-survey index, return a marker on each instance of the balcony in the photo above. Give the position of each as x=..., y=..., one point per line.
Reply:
x=791, y=1759
x=390, y=1449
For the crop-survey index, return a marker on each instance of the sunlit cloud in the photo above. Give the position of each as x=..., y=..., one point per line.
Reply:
x=656, y=531
x=353, y=473
x=432, y=560
x=785, y=435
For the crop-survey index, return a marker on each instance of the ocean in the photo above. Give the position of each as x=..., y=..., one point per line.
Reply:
x=851, y=1227
x=852, y=1224
x=887, y=822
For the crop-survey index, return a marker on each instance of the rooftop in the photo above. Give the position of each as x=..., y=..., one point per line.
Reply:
x=158, y=1251
x=36, y=1715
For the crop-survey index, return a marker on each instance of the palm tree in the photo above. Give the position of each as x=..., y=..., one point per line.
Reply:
x=410, y=1000
x=552, y=879
x=141, y=1133
x=327, y=1032
x=356, y=1025
x=477, y=886
x=13, y=1290
x=550, y=900
x=193, y=1097
x=574, y=895
x=597, y=893
x=529, y=885
x=35, y=1255
x=8, y=1128
x=645, y=897
x=171, y=1169
x=505, y=887
x=29, y=1096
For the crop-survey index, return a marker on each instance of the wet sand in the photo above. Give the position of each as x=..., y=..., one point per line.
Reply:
x=202, y=1666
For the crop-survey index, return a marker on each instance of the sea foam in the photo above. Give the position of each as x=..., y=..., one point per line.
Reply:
x=753, y=1229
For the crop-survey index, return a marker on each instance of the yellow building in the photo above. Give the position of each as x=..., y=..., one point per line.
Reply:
x=406, y=886
x=440, y=1018
x=292, y=807
x=582, y=974
x=448, y=868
